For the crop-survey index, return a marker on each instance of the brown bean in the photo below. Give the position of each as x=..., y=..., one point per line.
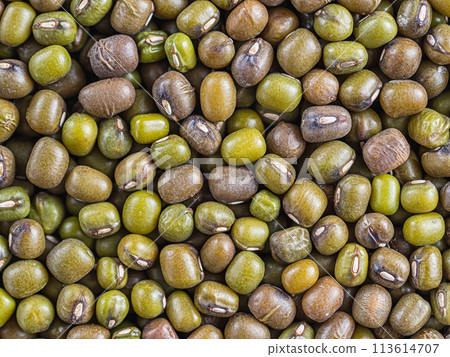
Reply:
x=130, y=17
x=325, y=123
x=400, y=58
x=217, y=252
x=339, y=326
x=374, y=230
x=386, y=151
x=114, y=56
x=272, y=306
x=321, y=301
x=403, y=97
x=89, y=332
x=410, y=314
x=180, y=183
x=88, y=185
x=247, y=20
x=218, y=96
x=286, y=141
x=372, y=306
x=252, y=62
x=281, y=23
x=174, y=95
x=107, y=97
x=436, y=163
x=48, y=163
x=202, y=135
x=7, y=167
x=320, y=87
x=388, y=268
x=232, y=185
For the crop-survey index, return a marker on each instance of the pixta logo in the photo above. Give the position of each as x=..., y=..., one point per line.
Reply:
x=141, y=170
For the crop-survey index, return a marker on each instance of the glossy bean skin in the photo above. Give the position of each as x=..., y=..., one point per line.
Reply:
x=46, y=104
x=119, y=51
x=218, y=91
x=252, y=62
x=181, y=312
x=309, y=6
x=329, y=234
x=48, y=163
x=281, y=22
x=174, y=95
x=17, y=76
x=410, y=314
x=201, y=135
x=374, y=230
x=351, y=197
x=217, y=253
x=352, y=265
x=206, y=332
x=75, y=304
x=437, y=44
x=19, y=285
x=189, y=264
x=26, y=239
x=426, y=268
x=247, y=20
x=304, y=193
x=385, y=194
x=423, y=229
x=197, y=19
x=242, y=325
x=289, y=132
x=92, y=97
x=8, y=304
x=159, y=328
x=344, y=57
x=243, y=146
x=130, y=20
x=292, y=56
x=275, y=173
x=137, y=252
x=298, y=330
x=215, y=299
x=401, y=98
x=305, y=268
x=81, y=260
x=326, y=170
x=290, y=245
x=216, y=50
x=388, y=268
x=321, y=87
x=99, y=189
x=245, y=272
x=414, y=18
x=381, y=158
x=395, y=53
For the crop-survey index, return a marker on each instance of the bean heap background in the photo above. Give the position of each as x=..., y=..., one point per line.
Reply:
x=224, y=169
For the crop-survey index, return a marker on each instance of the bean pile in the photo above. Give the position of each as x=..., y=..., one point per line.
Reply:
x=224, y=169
